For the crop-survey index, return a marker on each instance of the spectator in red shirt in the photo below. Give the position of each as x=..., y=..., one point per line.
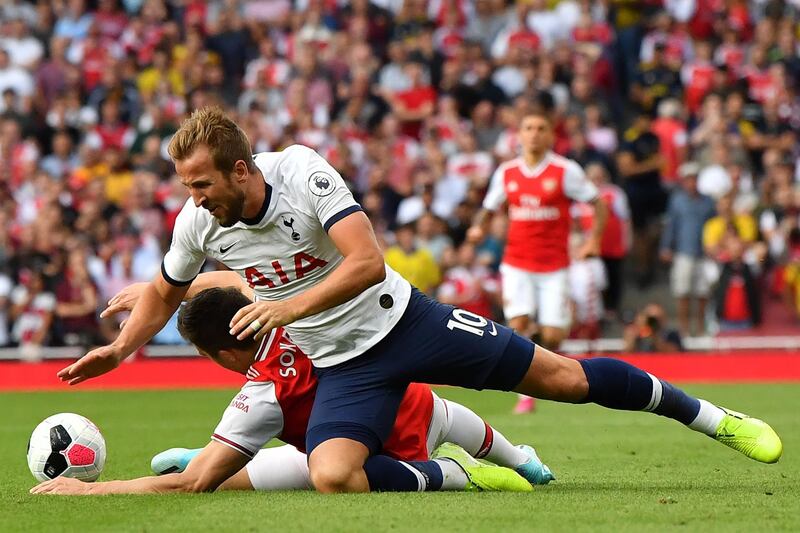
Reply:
x=415, y=104
x=672, y=138
x=76, y=304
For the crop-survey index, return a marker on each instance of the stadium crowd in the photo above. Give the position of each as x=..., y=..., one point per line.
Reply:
x=684, y=112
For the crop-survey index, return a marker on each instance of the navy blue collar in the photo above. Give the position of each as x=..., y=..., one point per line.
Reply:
x=261, y=212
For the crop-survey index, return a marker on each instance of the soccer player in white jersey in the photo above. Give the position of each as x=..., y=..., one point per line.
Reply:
x=276, y=401
x=287, y=224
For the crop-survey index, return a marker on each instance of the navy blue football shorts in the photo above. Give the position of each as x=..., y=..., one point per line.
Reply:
x=432, y=343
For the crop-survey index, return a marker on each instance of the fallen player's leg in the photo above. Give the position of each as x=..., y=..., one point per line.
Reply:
x=468, y=430
x=286, y=468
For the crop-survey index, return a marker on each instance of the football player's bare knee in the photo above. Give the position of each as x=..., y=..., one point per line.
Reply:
x=337, y=465
x=554, y=377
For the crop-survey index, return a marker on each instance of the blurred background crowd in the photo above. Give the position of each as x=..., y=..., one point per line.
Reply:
x=684, y=112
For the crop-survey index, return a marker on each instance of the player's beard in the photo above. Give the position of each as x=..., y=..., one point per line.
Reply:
x=234, y=209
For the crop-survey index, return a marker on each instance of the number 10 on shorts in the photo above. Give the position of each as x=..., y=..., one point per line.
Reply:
x=470, y=322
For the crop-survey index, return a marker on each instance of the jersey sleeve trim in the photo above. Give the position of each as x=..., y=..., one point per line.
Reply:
x=172, y=281
x=340, y=215
x=238, y=447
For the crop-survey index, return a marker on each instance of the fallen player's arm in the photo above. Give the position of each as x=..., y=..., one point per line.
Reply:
x=126, y=299
x=158, y=302
x=215, y=464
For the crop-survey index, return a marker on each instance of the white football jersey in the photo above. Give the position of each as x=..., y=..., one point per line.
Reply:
x=285, y=250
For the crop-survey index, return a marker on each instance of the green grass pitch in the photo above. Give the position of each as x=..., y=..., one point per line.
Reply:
x=616, y=472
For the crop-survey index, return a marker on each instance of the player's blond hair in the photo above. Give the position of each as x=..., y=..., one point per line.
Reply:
x=210, y=127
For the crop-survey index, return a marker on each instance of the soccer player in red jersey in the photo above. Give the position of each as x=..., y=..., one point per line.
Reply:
x=538, y=188
x=276, y=401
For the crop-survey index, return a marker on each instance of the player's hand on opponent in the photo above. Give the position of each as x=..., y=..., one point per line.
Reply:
x=66, y=486
x=93, y=364
x=259, y=318
x=124, y=300
x=475, y=234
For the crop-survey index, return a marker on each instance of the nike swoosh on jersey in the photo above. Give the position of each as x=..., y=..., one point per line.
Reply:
x=224, y=249
x=493, y=333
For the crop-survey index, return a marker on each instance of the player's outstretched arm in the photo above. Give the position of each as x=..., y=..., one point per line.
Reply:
x=158, y=302
x=362, y=268
x=216, y=463
x=126, y=299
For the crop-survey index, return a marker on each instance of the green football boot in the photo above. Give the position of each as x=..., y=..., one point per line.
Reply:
x=482, y=477
x=751, y=436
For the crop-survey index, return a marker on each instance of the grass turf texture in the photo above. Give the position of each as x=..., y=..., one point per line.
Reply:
x=616, y=471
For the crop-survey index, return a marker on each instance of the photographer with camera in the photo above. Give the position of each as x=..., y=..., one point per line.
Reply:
x=648, y=332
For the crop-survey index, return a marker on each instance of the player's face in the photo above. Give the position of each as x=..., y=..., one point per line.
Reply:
x=236, y=360
x=219, y=193
x=535, y=134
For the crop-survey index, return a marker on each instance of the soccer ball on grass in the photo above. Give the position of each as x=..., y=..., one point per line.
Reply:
x=66, y=445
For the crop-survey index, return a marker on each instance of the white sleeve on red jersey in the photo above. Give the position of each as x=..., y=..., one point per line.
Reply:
x=185, y=256
x=322, y=186
x=576, y=185
x=496, y=194
x=681, y=138
x=252, y=419
x=619, y=205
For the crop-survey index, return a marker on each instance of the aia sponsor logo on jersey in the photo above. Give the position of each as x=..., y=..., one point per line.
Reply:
x=303, y=264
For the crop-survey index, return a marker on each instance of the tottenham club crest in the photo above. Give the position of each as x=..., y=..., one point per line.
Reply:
x=321, y=184
x=290, y=224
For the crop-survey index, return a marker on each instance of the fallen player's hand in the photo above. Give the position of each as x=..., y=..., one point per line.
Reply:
x=124, y=300
x=93, y=364
x=62, y=485
x=269, y=315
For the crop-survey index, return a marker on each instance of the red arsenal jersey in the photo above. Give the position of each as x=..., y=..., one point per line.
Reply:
x=538, y=209
x=277, y=399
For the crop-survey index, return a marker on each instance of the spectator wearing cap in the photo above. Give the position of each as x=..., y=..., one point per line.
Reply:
x=682, y=245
